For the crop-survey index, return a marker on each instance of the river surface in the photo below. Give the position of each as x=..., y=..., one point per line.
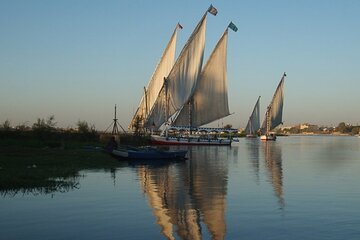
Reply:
x=299, y=187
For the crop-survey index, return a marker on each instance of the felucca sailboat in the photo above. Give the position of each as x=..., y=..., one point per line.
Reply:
x=191, y=96
x=253, y=124
x=273, y=115
x=207, y=103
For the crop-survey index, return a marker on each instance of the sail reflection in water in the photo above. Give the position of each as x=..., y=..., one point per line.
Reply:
x=186, y=196
x=273, y=164
x=252, y=147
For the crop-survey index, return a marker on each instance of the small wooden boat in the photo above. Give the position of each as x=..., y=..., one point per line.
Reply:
x=147, y=153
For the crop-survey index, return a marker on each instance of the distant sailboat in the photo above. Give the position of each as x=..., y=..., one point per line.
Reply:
x=273, y=115
x=253, y=124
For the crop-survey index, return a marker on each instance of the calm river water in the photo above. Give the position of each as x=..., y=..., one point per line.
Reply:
x=299, y=187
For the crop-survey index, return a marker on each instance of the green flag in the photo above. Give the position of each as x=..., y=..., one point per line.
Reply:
x=232, y=27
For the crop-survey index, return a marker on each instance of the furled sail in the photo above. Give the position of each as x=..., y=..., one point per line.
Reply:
x=181, y=80
x=209, y=101
x=155, y=84
x=273, y=116
x=253, y=124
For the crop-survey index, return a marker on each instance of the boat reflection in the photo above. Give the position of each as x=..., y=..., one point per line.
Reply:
x=252, y=147
x=273, y=164
x=272, y=156
x=189, y=195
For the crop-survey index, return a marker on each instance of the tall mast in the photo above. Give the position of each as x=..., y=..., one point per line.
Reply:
x=190, y=116
x=115, y=130
x=166, y=105
x=146, y=107
x=268, y=120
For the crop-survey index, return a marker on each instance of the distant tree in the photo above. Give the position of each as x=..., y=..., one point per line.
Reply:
x=6, y=126
x=355, y=130
x=294, y=130
x=44, y=125
x=92, y=128
x=343, y=128
x=83, y=127
x=39, y=124
x=22, y=127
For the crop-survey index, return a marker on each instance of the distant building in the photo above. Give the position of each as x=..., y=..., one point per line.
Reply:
x=309, y=127
x=304, y=126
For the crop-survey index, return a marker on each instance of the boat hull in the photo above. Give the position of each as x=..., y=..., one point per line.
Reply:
x=268, y=137
x=159, y=140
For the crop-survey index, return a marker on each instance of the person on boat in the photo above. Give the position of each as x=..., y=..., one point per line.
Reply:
x=111, y=145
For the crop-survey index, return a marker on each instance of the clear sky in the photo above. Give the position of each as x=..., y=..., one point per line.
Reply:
x=76, y=59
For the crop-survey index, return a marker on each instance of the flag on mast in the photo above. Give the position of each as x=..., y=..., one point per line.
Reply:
x=212, y=10
x=179, y=26
x=232, y=26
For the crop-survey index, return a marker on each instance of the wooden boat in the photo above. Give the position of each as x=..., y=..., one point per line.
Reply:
x=147, y=153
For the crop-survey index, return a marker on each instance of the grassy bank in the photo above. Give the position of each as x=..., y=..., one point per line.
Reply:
x=32, y=167
x=47, y=162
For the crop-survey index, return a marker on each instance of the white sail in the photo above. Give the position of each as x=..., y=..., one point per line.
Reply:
x=273, y=116
x=182, y=78
x=209, y=101
x=253, y=124
x=155, y=84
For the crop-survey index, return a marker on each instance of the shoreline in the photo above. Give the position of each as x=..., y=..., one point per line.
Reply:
x=322, y=134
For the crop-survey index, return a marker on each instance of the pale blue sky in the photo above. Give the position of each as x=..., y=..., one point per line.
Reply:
x=77, y=59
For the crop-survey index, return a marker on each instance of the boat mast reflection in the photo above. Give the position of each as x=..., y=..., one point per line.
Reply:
x=187, y=196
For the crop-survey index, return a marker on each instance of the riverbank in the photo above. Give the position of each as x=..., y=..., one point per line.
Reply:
x=322, y=134
x=29, y=167
x=33, y=161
